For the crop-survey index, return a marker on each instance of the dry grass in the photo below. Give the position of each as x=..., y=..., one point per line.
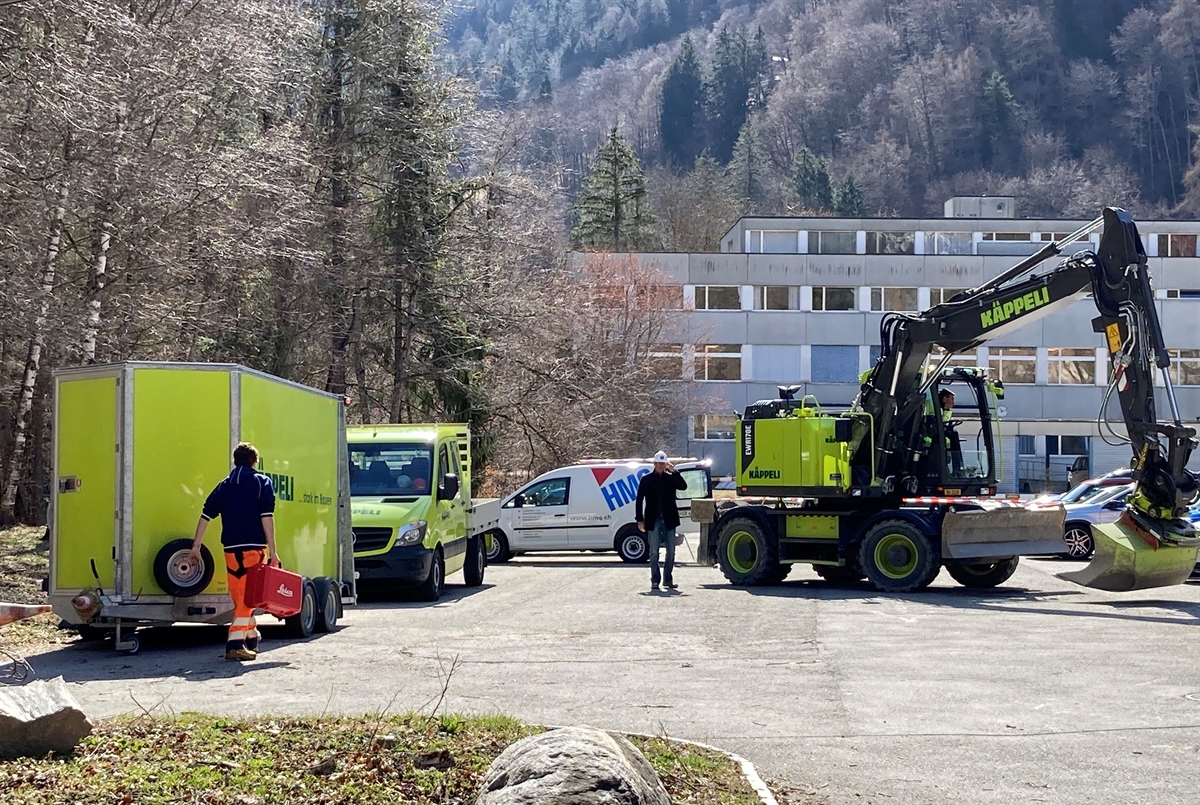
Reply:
x=24, y=562
x=268, y=761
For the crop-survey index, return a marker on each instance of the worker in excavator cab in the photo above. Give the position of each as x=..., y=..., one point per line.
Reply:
x=953, y=444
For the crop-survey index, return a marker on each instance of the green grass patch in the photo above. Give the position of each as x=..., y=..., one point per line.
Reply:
x=270, y=761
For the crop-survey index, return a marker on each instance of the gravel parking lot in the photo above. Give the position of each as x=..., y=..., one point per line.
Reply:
x=1036, y=692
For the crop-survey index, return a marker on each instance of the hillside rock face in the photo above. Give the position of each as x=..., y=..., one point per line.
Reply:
x=572, y=766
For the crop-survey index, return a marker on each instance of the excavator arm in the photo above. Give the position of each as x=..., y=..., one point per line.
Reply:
x=1117, y=277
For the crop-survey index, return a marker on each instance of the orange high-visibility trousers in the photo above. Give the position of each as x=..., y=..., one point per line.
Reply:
x=243, y=632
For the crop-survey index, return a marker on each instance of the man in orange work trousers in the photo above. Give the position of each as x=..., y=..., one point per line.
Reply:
x=245, y=502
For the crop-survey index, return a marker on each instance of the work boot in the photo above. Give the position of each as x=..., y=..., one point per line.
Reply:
x=240, y=655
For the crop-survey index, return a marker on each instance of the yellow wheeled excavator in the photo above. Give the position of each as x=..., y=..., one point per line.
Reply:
x=885, y=490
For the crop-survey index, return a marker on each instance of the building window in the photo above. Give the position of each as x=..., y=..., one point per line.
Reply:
x=828, y=297
x=666, y=361
x=1021, y=236
x=1185, y=366
x=1067, y=445
x=1176, y=245
x=901, y=300
x=891, y=243
x=1172, y=293
x=1013, y=364
x=940, y=296
x=718, y=297
x=832, y=242
x=772, y=242
x=1054, y=237
x=719, y=362
x=772, y=297
x=1070, y=366
x=834, y=364
x=713, y=427
x=966, y=359
x=661, y=297
x=1026, y=445
x=947, y=242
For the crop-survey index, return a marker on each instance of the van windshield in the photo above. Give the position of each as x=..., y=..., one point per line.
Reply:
x=381, y=468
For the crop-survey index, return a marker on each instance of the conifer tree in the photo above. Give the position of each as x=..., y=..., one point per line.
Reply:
x=848, y=201
x=681, y=108
x=613, y=211
x=746, y=166
x=1000, y=136
x=545, y=94
x=810, y=180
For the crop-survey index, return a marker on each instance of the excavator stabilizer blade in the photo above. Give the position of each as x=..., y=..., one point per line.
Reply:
x=1126, y=560
x=1003, y=532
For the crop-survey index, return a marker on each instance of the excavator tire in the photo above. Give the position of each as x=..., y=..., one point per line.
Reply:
x=747, y=554
x=986, y=574
x=839, y=575
x=897, y=558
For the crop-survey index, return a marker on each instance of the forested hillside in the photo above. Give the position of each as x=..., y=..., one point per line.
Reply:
x=1066, y=104
x=296, y=188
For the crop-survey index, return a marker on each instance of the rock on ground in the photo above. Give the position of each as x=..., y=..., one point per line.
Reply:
x=572, y=766
x=40, y=718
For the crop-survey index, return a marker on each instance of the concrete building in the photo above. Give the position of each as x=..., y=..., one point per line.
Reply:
x=799, y=300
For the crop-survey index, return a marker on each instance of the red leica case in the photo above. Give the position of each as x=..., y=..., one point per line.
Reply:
x=274, y=590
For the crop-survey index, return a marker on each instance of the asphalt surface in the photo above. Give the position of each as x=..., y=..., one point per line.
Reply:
x=1038, y=692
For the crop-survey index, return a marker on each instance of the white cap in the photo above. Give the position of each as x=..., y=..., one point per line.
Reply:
x=660, y=457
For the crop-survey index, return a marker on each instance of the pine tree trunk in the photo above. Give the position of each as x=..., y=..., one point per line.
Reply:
x=37, y=341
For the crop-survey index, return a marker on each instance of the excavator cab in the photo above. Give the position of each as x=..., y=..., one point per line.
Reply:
x=959, y=419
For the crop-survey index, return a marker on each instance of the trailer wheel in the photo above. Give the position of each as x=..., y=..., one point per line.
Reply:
x=839, y=575
x=897, y=558
x=986, y=574
x=177, y=574
x=132, y=645
x=499, y=551
x=632, y=545
x=304, y=622
x=329, y=601
x=473, y=568
x=747, y=555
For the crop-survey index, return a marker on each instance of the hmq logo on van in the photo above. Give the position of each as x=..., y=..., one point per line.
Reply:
x=622, y=491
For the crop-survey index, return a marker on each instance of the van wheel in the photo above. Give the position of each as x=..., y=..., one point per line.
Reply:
x=476, y=562
x=631, y=545
x=499, y=551
x=431, y=590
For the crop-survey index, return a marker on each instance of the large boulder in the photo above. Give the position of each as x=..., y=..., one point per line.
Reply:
x=572, y=766
x=40, y=718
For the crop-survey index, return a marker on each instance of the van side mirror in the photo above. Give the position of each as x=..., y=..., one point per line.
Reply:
x=518, y=501
x=448, y=490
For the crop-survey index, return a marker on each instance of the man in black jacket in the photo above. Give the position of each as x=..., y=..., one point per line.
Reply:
x=658, y=515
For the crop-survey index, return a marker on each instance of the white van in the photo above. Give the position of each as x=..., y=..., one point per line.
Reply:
x=588, y=507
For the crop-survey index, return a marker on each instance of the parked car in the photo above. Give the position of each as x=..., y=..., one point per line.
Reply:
x=588, y=507
x=1103, y=507
x=1086, y=490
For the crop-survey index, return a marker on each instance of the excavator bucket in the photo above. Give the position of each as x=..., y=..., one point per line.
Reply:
x=1128, y=557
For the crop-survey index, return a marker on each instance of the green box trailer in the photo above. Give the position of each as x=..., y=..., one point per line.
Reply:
x=137, y=448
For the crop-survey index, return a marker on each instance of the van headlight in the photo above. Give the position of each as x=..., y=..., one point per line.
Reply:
x=412, y=533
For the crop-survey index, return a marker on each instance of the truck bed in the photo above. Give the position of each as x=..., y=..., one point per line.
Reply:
x=482, y=516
